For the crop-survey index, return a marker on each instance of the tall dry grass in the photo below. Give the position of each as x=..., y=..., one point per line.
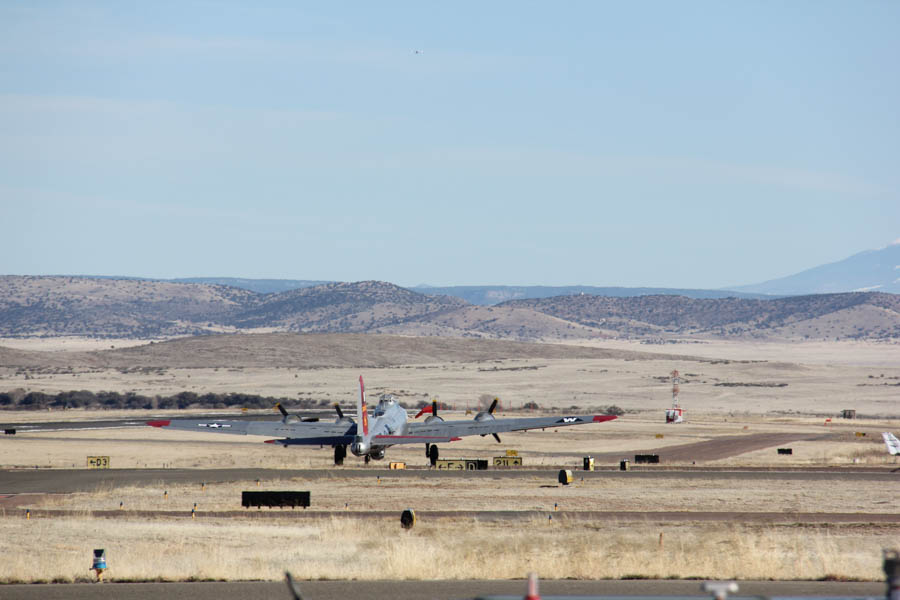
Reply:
x=60, y=549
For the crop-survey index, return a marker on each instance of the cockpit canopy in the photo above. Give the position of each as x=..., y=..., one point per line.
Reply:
x=385, y=401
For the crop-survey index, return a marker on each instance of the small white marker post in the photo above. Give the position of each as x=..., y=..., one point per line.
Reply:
x=532, y=593
x=719, y=589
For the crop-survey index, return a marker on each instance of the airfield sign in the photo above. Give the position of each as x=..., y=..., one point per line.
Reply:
x=98, y=462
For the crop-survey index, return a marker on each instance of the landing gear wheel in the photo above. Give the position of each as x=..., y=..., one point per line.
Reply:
x=433, y=454
x=340, y=453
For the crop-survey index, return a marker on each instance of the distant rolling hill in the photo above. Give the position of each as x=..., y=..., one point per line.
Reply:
x=497, y=323
x=822, y=316
x=260, y=286
x=484, y=295
x=495, y=294
x=134, y=308
x=61, y=305
x=341, y=307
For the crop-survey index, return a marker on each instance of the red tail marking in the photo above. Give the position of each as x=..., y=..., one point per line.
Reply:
x=158, y=423
x=425, y=409
x=602, y=418
x=364, y=414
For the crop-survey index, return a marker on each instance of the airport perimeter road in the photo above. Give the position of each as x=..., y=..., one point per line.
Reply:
x=60, y=481
x=528, y=516
x=423, y=590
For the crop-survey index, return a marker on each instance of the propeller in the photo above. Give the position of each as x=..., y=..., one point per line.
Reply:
x=433, y=409
x=341, y=418
x=293, y=588
x=491, y=412
x=286, y=417
x=488, y=415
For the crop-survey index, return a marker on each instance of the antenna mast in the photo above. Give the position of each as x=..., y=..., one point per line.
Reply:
x=675, y=381
x=676, y=413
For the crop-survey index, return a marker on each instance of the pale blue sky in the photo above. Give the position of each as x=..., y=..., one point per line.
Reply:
x=679, y=144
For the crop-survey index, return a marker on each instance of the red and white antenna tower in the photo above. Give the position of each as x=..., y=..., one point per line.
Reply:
x=676, y=413
x=675, y=381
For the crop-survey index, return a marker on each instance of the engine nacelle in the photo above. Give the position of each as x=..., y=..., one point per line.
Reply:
x=434, y=419
x=290, y=419
x=376, y=453
x=361, y=449
x=484, y=416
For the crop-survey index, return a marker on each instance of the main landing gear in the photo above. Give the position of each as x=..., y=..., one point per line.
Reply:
x=340, y=453
x=432, y=453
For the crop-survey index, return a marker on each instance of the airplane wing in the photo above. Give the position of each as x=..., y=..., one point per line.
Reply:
x=390, y=440
x=892, y=443
x=292, y=431
x=47, y=426
x=378, y=440
x=490, y=426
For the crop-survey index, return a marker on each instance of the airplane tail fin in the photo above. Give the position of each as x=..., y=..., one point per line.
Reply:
x=892, y=443
x=363, y=415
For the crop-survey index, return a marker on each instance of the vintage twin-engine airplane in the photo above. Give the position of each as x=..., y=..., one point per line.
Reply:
x=387, y=427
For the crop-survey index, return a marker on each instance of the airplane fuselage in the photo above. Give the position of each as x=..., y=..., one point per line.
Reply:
x=388, y=418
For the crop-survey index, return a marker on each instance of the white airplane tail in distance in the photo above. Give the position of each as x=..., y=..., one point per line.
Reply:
x=892, y=443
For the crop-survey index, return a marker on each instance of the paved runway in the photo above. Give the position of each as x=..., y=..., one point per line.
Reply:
x=55, y=481
x=721, y=447
x=423, y=590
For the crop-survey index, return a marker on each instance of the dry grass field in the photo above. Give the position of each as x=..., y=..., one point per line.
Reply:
x=234, y=549
x=820, y=380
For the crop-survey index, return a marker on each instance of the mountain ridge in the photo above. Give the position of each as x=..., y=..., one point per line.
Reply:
x=71, y=306
x=726, y=317
x=488, y=295
x=869, y=270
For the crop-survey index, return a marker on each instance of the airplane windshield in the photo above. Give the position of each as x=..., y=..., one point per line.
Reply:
x=384, y=403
